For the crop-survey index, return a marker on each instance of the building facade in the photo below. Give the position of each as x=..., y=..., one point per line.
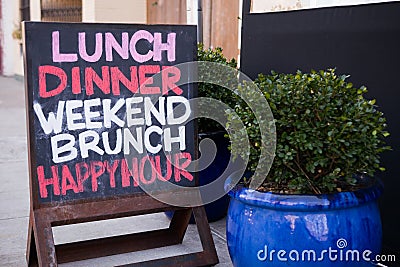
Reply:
x=221, y=18
x=9, y=19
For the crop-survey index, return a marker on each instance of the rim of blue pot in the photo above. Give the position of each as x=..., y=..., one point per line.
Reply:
x=309, y=202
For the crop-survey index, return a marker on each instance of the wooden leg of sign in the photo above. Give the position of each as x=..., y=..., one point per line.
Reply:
x=205, y=234
x=179, y=224
x=40, y=232
x=31, y=255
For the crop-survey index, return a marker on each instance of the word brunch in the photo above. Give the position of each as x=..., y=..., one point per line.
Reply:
x=101, y=111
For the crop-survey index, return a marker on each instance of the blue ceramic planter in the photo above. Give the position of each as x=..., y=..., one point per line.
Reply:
x=267, y=229
x=217, y=209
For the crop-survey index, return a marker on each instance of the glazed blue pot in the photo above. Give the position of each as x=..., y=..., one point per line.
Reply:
x=217, y=209
x=267, y=229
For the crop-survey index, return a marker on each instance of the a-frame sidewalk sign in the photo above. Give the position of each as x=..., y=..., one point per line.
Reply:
x=96, y=136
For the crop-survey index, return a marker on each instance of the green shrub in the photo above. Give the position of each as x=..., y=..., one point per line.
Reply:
x=214, y=91
x=327, y=132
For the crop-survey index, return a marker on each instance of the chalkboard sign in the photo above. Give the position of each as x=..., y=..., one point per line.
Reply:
x=100, y=124
x=108, y=117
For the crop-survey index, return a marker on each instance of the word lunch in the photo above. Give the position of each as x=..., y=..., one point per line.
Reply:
x=124, y=49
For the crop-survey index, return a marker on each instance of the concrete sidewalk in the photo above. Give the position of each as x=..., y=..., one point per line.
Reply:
x=14, y=201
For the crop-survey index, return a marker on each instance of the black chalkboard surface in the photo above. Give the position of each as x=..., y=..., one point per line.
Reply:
x=99, y=124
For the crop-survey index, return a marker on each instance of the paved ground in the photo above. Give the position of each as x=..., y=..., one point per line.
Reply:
x=14, y=201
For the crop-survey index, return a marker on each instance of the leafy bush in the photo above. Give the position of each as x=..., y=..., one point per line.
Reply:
x=214, y=91
x=327, y=132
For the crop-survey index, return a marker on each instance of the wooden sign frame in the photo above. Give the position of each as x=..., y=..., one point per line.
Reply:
x=41, y=249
